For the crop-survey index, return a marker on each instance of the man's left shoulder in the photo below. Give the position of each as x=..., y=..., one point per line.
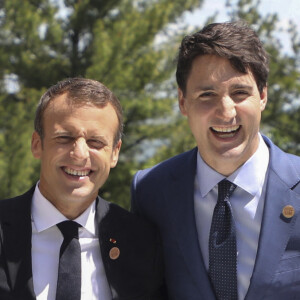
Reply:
x=278, y=156
x=132, y=226
x=285, y=165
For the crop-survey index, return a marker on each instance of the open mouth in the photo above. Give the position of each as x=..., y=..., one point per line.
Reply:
x=225, y=132
x=77, y=173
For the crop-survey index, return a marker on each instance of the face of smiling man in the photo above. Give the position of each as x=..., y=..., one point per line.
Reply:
x=76, y=153
x=223, y=107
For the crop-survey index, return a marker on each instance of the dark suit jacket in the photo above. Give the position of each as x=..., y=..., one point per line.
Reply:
x=164, y=194
x=135, y=275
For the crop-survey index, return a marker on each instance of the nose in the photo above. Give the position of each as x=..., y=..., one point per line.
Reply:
x=80, y=149
x=226, y=108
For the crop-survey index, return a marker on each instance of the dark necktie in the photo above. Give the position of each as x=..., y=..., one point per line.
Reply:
x=69, y=270
x=222, y=245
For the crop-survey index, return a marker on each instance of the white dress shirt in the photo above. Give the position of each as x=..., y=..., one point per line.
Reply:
x=247, y=203
x=46, y=242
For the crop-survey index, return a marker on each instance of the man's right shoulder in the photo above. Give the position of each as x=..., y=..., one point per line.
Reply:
x=172, y=166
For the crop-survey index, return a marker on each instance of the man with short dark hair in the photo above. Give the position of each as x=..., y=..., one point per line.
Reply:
x=60, y=240
x=227, y=210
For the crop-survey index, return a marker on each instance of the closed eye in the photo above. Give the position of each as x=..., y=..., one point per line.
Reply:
x=64, y=139
x=96, y=144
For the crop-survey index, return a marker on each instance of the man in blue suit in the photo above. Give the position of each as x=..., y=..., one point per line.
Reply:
x=222, y=75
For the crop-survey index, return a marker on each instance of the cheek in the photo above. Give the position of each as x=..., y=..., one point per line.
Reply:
x=249, y=112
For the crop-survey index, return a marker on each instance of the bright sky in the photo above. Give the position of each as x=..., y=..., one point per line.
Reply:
x=286, y=10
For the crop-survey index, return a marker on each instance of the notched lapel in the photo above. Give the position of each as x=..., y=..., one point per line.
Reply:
x=275, y=233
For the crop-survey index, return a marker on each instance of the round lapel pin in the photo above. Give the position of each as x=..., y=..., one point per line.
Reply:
x=288, y=211
x=114, y=253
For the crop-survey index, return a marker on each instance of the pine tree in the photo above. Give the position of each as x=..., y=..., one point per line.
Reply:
x=281, y=118
x=120, y=43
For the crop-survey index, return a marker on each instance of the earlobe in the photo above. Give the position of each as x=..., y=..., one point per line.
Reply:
x=263, y=98
x=36, y=145
x=115, y=154
x=181, y=101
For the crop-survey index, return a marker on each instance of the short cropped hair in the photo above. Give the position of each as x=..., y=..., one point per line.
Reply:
x=235, y=41
x=79, y=91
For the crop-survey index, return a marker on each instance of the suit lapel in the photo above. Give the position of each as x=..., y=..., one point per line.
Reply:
x=182, y=214
x=16, y=226
x=275, y=229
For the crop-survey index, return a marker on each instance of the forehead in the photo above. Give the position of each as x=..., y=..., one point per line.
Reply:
x=213, y=69
x=62, y=110
x=63, y=103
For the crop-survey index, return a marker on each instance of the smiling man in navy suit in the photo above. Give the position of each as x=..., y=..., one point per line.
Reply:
x=250, y=248
x=111, y=254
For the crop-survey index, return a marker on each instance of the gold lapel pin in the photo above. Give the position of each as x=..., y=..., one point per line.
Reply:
x=288, y=211
x=114, y=253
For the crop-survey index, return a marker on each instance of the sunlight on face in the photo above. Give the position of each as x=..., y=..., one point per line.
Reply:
x=223, y=107
x=76, y=153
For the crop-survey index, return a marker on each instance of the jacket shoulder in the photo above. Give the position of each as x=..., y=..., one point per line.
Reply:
x=20, y=203
x=173, y=166
x=285, y=165
x=132, y=226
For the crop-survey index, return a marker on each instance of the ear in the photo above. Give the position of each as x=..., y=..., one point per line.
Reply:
x=263, y=98
x=182, y=102
x=36, y=145
x=115, y=154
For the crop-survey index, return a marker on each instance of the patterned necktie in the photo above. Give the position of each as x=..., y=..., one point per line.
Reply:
x=222, y=245
x=69, y=270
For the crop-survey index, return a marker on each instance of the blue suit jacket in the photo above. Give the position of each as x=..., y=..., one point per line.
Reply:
x=164, y=194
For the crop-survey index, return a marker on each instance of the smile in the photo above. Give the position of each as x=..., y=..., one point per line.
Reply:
x=225, y=132
x=79, y=173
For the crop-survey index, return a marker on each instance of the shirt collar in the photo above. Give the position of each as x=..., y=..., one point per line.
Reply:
x=250, y=176
x=45, y=214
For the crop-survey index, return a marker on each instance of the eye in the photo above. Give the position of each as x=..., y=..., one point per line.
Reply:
x=64, y=139
x=240, y=95
x=241, y=92
x=207, y=94
x=96, y=144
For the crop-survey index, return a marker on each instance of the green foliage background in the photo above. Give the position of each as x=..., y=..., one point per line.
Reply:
x=130, y=46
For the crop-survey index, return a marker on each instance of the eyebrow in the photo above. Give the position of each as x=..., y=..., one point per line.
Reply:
x=60, y=132
x=242, y=86
x=212, y=88
x=203, y=88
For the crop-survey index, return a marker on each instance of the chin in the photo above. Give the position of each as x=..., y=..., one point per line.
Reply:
x=81, y=194
x=236, y=156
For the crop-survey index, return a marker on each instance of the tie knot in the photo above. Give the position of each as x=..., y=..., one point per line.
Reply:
x=225, y=189
x=69, y=229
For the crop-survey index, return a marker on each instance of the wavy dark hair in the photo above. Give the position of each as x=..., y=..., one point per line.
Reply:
x=235, y=41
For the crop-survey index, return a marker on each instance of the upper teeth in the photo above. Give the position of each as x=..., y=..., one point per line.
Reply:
x=226, y=129
x=76, y=172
